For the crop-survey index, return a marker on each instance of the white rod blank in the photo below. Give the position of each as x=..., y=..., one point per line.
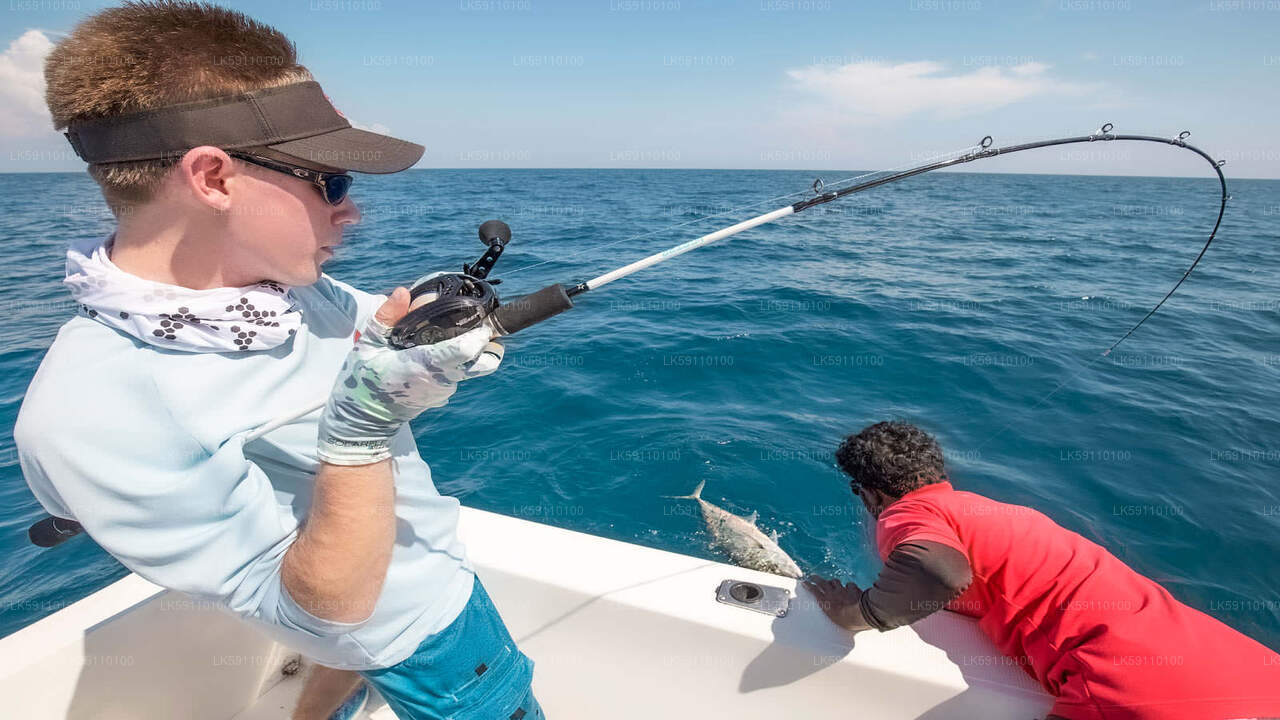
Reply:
x=683, y=248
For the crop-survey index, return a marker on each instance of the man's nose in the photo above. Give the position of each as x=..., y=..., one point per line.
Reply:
x=347, y=213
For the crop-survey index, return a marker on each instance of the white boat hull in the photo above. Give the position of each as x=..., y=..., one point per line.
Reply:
x=616, y=630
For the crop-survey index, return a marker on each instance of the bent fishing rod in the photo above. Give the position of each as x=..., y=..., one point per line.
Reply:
x=443, y=306
x=448, y=305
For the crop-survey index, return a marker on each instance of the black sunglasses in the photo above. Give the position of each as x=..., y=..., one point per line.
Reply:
x=333, y=186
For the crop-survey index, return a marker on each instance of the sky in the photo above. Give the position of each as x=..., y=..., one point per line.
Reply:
x=775, y=84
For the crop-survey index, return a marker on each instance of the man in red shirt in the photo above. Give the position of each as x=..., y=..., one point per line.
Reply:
x=1104, y=640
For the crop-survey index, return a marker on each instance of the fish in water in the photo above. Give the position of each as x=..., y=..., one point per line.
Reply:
x=745, y=543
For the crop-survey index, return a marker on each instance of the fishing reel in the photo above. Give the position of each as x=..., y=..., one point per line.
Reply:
x=447, y=305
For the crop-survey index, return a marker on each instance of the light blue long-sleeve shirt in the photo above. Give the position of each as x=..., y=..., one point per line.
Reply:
x=145, y=447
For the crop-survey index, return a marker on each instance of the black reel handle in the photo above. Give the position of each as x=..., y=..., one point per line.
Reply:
x=495, y=234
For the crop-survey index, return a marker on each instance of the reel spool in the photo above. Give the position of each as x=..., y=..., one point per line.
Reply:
x=448, y=305
x=444, y=307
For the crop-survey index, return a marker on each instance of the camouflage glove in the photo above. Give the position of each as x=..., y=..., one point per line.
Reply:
x=381, y=388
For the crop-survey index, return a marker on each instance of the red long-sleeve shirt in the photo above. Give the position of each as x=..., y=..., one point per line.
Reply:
x=1105, y=640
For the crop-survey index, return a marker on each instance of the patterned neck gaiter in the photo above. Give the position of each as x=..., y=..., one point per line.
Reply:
x=254, y=317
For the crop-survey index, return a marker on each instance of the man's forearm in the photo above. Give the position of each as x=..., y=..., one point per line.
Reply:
x=336, y=567
x=919, y=578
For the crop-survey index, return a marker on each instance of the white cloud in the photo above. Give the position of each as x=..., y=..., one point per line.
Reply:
x=22, y=109
x=374, y=128
x=871, y=92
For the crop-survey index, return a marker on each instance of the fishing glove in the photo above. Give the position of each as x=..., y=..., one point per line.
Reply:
x=381, y=388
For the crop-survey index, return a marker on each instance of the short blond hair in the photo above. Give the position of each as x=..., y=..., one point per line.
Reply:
x=147, y=55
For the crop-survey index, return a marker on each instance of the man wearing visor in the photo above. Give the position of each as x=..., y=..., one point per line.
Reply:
x=204, y=316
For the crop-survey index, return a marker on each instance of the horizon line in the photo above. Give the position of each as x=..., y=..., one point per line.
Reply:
x=714, y=169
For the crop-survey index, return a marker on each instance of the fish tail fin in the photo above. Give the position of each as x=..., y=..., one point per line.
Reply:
x=695, y=495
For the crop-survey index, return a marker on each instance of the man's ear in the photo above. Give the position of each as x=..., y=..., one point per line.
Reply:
x=204, y=172
x=867, y=498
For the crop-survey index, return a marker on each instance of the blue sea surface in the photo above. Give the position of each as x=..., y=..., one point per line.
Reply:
x=961, y=302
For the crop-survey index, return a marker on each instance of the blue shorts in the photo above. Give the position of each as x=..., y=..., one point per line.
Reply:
x=471, y=670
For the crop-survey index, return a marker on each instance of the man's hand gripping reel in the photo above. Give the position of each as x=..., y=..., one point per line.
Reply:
x=447, y=305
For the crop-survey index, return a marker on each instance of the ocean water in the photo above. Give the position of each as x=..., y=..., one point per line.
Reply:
x=957, y=301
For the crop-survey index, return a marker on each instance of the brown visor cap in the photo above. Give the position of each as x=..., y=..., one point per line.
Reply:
x=297, y=120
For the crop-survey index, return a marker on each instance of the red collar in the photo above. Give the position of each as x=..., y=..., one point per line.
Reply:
x=943, y=486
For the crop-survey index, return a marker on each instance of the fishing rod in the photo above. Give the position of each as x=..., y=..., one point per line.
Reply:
x=445, y=306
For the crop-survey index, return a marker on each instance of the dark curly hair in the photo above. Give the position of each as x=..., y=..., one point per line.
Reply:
x=894, y=457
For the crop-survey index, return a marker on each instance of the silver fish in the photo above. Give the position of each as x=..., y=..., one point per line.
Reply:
x=745, y=543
